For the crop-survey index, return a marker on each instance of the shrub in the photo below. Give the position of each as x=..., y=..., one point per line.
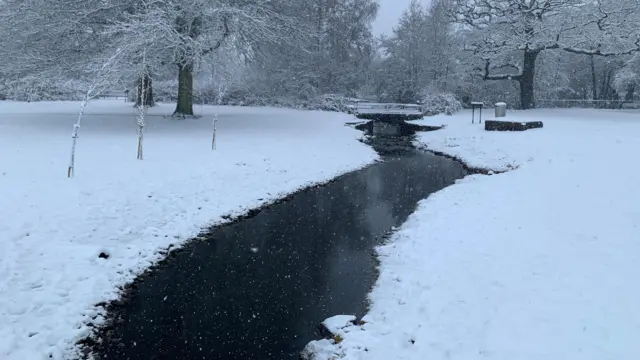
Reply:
x=33, y=88
x=439, y=103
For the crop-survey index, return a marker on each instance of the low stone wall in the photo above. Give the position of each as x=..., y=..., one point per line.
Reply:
x=494, y=125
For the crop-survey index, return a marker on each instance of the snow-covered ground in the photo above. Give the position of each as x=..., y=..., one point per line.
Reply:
x=541, y=262
x=52, y=228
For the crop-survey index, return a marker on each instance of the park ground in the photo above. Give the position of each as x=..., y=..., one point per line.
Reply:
x=540, y=262
x=537, y=262
x=53, y=229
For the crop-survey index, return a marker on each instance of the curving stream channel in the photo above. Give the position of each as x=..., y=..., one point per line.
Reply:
x=258, y=288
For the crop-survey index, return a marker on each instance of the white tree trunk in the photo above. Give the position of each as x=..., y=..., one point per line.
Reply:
x=213, y=137
x=74, y=137
x=142, y=107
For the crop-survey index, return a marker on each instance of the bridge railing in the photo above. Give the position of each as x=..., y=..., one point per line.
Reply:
x=386, y=108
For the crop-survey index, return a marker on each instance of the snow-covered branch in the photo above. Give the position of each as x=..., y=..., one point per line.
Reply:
x=598, y=51
x=486, y=75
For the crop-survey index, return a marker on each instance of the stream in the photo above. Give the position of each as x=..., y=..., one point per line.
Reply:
x=258, y=288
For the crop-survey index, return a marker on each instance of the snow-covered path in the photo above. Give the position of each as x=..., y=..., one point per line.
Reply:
x=53, y=228
x=537, y=263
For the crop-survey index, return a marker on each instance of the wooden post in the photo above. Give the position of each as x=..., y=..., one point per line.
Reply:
x=72, y=161
x=213, y=136
x=74, y=136
x=140, y=137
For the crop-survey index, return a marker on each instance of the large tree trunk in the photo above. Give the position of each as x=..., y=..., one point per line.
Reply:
x=527, y=97
x=185, y=91
x=594, y=82
x=631, y=91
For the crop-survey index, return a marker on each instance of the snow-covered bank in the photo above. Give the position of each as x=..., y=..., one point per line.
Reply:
x=537, y=263
x=53, y=229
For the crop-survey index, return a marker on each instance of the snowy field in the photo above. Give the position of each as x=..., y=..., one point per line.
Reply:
x=54, y=228
x=541, y=262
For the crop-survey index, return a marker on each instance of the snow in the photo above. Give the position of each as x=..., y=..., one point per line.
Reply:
x=336, y=323
x=323, y=349
x=53, y=229
x=540, y=262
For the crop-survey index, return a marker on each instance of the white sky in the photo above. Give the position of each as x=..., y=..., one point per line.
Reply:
x=389, y=14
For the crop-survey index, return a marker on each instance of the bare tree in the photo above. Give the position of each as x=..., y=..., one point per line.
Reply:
x=187, y=33
x=104, y=74
x=509, y=35
x=43, y=35
x=331, y=56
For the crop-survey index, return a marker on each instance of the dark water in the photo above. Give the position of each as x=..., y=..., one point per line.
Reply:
x=258, y=289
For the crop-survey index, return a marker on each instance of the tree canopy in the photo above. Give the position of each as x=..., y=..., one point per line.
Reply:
x=264, y=51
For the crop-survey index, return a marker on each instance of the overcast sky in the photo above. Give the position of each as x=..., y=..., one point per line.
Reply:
x=389, y=14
